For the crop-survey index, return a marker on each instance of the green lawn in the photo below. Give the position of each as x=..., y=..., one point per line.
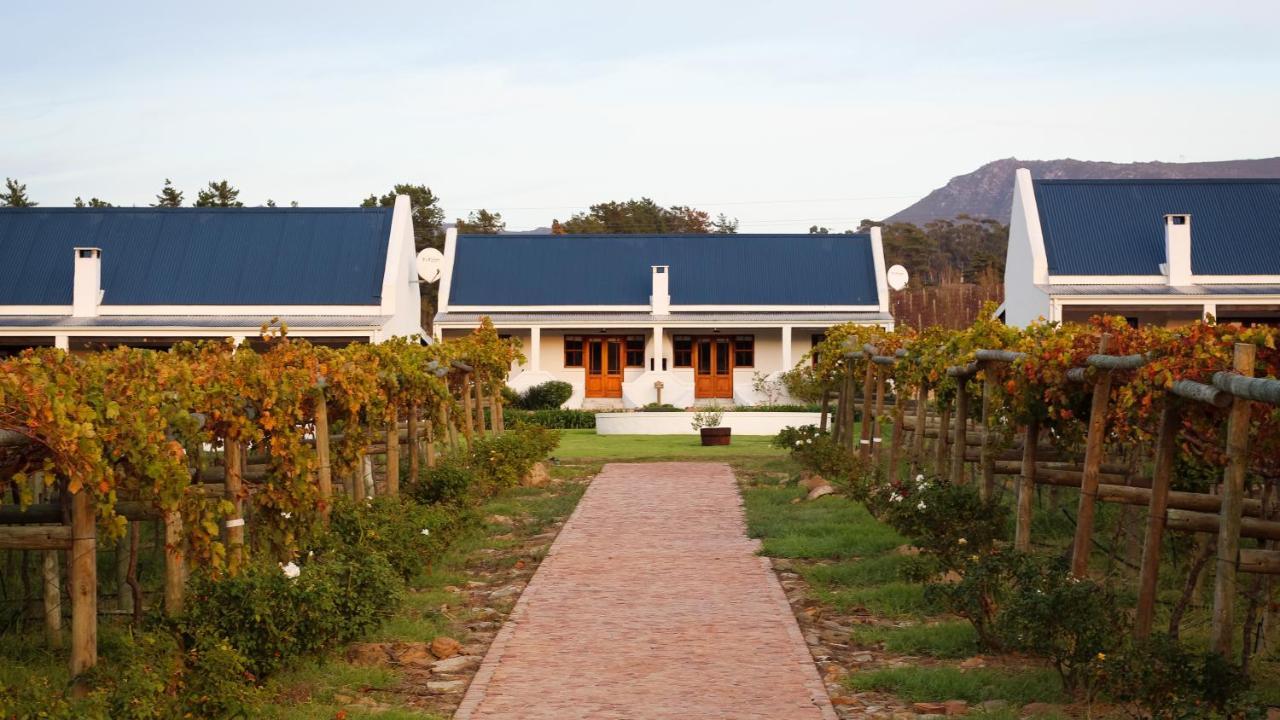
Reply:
x=586, y=444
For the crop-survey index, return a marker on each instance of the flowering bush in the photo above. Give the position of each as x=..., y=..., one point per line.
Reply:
x=1070, y=621
x=1162, y=679
x=949, y=523
x=819, y=453
x=269, y=617
x=410, y=535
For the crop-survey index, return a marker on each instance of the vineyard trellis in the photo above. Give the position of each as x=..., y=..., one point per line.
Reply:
x=1077, y=406
x=213, y=441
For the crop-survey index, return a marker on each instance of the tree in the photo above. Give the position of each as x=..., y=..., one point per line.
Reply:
x=723, y=225
x=219, y=194
x=428, y=218
x=482, y=222
x=643, y=216
x=169, y=196
x=15, y=195
x=93, y=203
x=964, y=249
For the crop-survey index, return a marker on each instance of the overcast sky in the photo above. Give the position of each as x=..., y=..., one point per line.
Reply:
x=783, y=114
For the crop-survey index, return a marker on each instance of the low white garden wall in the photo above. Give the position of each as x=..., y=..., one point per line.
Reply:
x=678, y=423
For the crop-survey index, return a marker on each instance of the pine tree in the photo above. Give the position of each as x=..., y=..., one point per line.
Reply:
x=482, y=222
x=169, y=196
x=93, y=203
x=15, y=195
x=219, y=194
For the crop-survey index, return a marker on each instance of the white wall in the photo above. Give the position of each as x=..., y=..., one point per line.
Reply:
x=400, y=282
x=1025, y=263
x=678, y=423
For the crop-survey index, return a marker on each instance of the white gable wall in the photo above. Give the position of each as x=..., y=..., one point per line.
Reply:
x=1025, y=262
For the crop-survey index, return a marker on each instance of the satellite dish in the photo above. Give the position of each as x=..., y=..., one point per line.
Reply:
x=897, y=277
x=430, y=263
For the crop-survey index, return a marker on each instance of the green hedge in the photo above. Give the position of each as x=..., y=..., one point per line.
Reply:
x=554, y=419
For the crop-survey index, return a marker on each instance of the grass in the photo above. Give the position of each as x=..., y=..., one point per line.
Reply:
x=835, y=528
x=586, y=444
x=946, y=639
x=926, y=684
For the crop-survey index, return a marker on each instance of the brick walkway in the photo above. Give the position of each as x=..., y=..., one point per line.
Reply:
x=651, y=604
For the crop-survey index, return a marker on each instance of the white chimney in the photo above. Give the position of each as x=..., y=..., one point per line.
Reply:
x=1177, y=249
x=660, y=300
x=86, y=288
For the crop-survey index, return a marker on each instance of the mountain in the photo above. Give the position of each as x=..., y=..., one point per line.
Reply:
x=988, y=191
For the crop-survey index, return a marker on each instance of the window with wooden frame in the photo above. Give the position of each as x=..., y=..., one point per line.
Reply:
x=635, y=351
x=682, y=351
x=572, y=351
x=816, y=339
x=744, y=350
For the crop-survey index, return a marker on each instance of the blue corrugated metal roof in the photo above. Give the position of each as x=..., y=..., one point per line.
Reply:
x=496, y=270
x=1116, y=227
x=198, y=256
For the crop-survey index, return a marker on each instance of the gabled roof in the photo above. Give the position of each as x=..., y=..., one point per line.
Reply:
x=711, y=270
x=198, y=256
x=1116, y=227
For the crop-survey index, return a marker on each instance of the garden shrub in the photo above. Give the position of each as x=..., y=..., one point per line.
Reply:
x=153, y=678
x=1163, y=679
x=271, y=618
x=819, y=453
x=660, y=407
x=975, y=591
x=1070, y=621
x=949, y=523
x=556, y=419
x=501, y=461
x=451, y=482
x=779, y=408
x=409, y=534
x=549, y=395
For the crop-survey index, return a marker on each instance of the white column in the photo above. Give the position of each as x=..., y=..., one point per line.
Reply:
x=62, y=342
x=535, y=349
x=657, y=348
x=786, y=347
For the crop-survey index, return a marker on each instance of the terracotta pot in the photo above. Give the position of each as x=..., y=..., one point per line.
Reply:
x=716, y=435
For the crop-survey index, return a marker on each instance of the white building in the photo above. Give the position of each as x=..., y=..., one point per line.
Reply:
x=702, y=315
x=1158, y=252
x=88, y=277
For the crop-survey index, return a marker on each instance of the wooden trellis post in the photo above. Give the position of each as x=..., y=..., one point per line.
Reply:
x=1166, y=449
x=174, y=563
x=868, y=395
x=393, y=451
x=917, y=436
x=1027, y=486
x=478, y=388
x=1092, y=464
x=415, y=444
x=1224, y=586
x=324, y=469
x=468, y=423
x=944, y=435
x=83, y=571
x=961, y=373
x=877, y=432
x=235, y=523
x=986, y=460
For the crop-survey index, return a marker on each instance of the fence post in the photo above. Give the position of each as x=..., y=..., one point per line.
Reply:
x=393, y=451
x=1092, y=464
x=987, y=456
x=877, y=432
x=917, y=439
x=477, y=386
x=468, y=424
x=174, y=563
x=1166, y=448
x=944, y=434
x=52, y=599
x=895, y=442
x=962, y=431
x=83, y=570
x=1224, y=586
x=868, y=428
x=414, y=445
x=324, y=469
x=235, y=523
x=1027, y=486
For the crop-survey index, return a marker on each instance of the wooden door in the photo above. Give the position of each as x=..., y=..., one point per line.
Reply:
x=713, y=367
x=604, y=368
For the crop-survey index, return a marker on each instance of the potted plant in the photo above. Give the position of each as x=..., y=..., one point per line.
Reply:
x=707, y=423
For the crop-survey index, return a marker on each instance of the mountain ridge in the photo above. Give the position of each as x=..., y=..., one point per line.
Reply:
x=988, y=191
